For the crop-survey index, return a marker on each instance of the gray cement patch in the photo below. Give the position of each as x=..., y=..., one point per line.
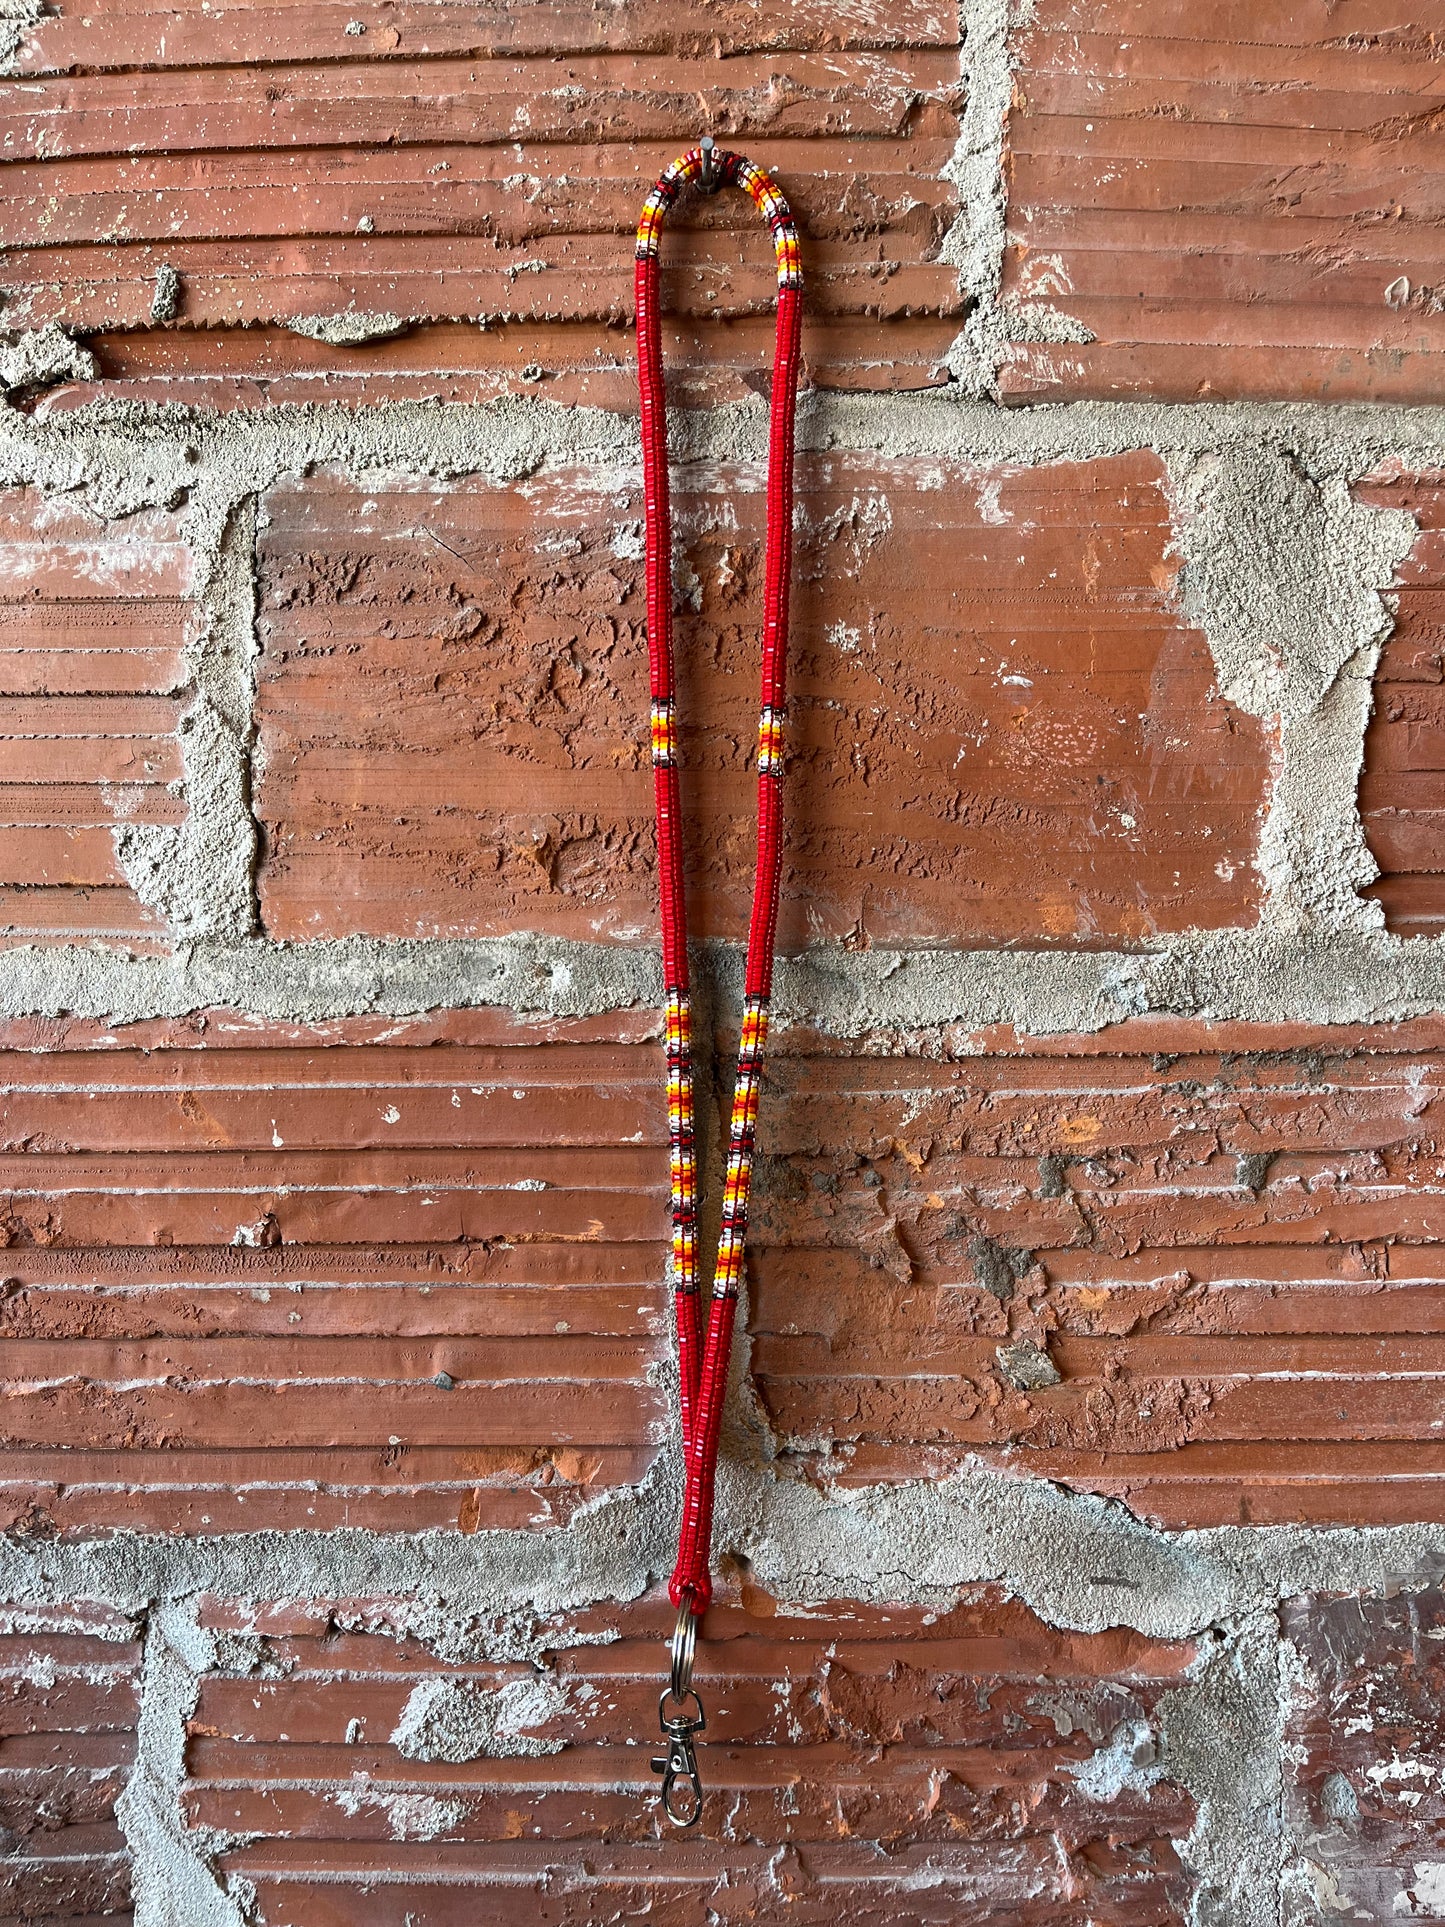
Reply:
x=459, y=1720
x=173, y=1882
x=349, y=329
x=976, y=242
x=41, y=357
x=887, y=1000
x=1080, y=1562
x=17, y=17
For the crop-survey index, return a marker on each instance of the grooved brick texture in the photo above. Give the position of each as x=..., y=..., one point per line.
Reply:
x=1223, y=1237
x=957, y=1739
x=242, y=1254
x=448, y=166
x=1402, y=785
x=1230, y=201
x=241, y=1257
x=68, y=1703
x=1243, y=199
x=94, y=617
x=1002, y=729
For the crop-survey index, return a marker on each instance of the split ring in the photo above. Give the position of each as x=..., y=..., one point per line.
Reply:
x=684, y=1645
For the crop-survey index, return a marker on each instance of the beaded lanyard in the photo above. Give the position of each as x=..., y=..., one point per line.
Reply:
x=703, y=1363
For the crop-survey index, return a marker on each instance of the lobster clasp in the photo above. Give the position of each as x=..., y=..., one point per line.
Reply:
x=710, y=177
x=681, y=1781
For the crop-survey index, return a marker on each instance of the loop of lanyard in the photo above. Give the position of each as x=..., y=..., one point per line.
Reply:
x=703, y=1359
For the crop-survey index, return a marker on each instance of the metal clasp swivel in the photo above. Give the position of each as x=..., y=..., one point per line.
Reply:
x=681, y=1781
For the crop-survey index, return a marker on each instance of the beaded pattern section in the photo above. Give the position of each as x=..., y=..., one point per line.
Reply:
x=664, y=748
x=733, y=170
x=681, y=1141
x=770, y=742
x=742, y=1139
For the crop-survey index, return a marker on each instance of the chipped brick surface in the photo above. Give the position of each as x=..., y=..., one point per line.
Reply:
x=1367, y=1715
x=1225, y=1239
x=1231, y=201
x=241, y=1256
x=970, y=1744
x=1002, y=729
x=68, y=1705
x=1402, y=785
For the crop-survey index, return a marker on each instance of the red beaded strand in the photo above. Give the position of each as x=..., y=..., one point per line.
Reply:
x=703, y=1360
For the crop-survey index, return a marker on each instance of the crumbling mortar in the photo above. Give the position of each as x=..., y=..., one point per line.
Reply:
x=17, y=18
x=1080, y=1562
x=1286, y=575
x=977, y=242
x=554, y=976
x=200, y=873
x=887, y=1001
x=1222, y=1737
x=173, y=1881
x=124, y=456
x=349, y=329
x=166, y=301
x=34, y=359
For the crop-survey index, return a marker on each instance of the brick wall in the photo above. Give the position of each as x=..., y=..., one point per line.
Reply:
x=1229, y=201
x=1083, y=1506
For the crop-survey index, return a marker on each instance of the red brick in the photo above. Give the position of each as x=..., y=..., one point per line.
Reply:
x=584, y=362
x=68, y=1702
x=1203, y=1332
x=1402, y=785
x=858, y=1743
x=1223, y=195
x=94, y=617
x=1002, y=729
x=183, y=33
x=1366, y=1784
x=499, y=165
x=1226, y=1354
x=439, y=1202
